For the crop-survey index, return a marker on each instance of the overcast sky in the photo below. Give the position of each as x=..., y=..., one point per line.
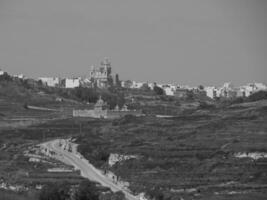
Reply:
x=172, y=41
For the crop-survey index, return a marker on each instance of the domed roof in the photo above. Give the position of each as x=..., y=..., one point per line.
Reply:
x=105, y=62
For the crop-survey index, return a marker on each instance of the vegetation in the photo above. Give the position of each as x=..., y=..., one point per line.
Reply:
x=86, y=190
x=158, y=90
x=260, y=95
x=189, y=156
x=55, y=192
x=32, y=92
x=10, y=195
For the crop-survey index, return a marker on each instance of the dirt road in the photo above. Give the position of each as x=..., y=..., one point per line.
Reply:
x=87, y=169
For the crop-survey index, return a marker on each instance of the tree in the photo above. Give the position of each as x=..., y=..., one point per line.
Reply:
x=156, y=194
x=118, y=196
x=158, y=90
x=55, y=192
x=86, y=191
x=40, y=83
x=260, y=95
x=5, y=77
x=117, y=81
x=112, y=196
x=145, y=87
x=128, y=84
x=201, y=87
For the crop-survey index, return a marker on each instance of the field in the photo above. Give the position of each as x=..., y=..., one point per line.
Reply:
x=190, y=156
x=187, y=156
x=193, y=155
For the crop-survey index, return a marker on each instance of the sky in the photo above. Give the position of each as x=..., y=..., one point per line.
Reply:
x=187, y=42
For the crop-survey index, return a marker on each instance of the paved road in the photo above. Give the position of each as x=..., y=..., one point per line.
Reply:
x=87, y=169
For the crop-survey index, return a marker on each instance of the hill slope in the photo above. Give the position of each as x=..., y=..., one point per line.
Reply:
x=194, y=155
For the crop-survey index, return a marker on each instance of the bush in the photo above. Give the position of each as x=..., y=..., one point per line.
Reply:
x=260, y=95
x=5, y=77
x=55, y=192
x=109, y=196
x=87, y=191
x=156, y=194
x=158, y=90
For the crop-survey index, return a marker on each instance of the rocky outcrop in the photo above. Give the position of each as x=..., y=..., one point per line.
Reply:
x=252, y=155
x=114, y=158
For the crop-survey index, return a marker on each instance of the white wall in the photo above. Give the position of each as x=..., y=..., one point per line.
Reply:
x=72, y=83
x=210, y=91
x=50, y=81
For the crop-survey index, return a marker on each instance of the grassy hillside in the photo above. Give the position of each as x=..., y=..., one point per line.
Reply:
x=187, y=156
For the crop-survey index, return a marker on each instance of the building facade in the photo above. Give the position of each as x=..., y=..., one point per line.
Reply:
x=228, y=90
x=101, y=76
x=212, y=92
x=101, y=111
x=71, y=82
x=50, y=81
x=251, y=88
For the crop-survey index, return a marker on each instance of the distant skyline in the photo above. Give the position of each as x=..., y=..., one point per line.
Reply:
x=187, y=42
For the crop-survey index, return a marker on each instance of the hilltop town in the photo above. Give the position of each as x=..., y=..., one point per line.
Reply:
x=103, y=77
x=110, y=139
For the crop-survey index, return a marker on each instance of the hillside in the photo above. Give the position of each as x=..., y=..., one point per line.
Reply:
x=207, y=150
x=17, y=94
x=189, y=156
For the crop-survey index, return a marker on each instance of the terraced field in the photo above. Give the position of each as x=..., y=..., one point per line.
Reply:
x=190, y=156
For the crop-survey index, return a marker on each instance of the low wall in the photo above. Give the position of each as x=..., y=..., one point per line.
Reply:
x=90, y=113
x=110, y=114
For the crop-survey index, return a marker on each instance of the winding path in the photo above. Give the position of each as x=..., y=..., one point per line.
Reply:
x=87, y=169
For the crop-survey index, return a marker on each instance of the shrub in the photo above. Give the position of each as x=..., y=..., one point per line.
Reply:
x=5, y=77
x=158, y=90
x=260, y=95
x=87, y=191
x=55, y=192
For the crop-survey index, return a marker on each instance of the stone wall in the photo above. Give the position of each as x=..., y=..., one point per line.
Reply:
x=110, y=114
x=90, y=113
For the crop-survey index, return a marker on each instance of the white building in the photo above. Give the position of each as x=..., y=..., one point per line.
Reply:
x=86, y=82
x=151, y=85
x=1, y=72
x=72, y=82
x=212, y=92
x=169, y=89
x=251, y=88
x=228, y=90
x=50, y=81
x=137, y=85
x=20, y=76
x=260, y=86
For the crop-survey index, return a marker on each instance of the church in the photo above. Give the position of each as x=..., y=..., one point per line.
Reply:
x=101, y=76
x=101, y=111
